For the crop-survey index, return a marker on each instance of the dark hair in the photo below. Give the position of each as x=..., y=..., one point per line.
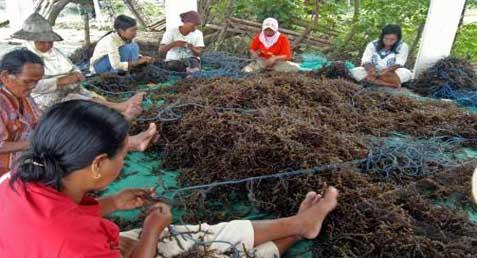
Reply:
x=68, y=138
x=123, y=22
x=13, y=61
x=387, y=30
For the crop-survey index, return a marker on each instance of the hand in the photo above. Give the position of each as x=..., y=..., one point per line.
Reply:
x=384, y=71
x=145, y=60
x=79, y=76
x=180, y=43
x=159, y=216
x=127, y=246
x=70, y=79
x=270, y=62
x=130, y=199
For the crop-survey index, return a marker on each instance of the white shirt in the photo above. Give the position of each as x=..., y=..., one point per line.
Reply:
x=384, y=59
x=109, y=46
x=57, y=65
x=195, y=38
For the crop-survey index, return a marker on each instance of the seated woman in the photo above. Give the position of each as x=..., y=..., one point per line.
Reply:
x=78, y=147
x=117, y=51
x=62, y=78
x=184, y=45
x=384, y=59
x=20, y=71
x=271, y=50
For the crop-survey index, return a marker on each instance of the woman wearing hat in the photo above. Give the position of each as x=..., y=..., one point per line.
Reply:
x=271, y=50
x=184, y=44
x=384, y=59
x=78, y=147
x=117, y=51
x=62, y=78
x=20, y=71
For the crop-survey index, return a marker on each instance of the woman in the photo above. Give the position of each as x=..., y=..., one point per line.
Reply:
x=117, y=51
x=79, y=146
x=271, y=50
x=183, y=45
x=62, y=79
x=20, y=71
x=384, y=59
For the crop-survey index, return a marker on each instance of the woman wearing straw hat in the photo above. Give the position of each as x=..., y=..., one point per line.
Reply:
x=183, y=45
x=80, y=146
x=271, y=50
x=62, y=78
x=117, y=51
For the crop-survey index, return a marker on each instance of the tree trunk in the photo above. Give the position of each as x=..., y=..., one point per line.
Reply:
x=133, y=8
x=415, y=45
x=50, y=9
x=310, y=26
x=221, y=36
x=87, y=34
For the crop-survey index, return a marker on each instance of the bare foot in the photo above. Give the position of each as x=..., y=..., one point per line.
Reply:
x=132, y=107
x=310, y=199
x=140, y=142
x=137, y=99
x=132, y=111
x=314, y=216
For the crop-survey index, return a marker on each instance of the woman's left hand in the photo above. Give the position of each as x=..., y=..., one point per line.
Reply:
x=130, y=199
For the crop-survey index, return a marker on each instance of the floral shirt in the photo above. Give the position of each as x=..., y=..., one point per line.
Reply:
x=18, y=118
x=384, y=58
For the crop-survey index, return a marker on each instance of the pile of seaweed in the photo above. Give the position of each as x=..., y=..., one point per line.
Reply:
x=216, y=130
x=450, y=78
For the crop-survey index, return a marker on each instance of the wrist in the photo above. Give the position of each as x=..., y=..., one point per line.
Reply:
x=154, y=227
x=115, y=202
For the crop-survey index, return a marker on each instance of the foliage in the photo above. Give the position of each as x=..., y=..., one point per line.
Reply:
x=375, y=14
x=465, y=45
x=287, y=12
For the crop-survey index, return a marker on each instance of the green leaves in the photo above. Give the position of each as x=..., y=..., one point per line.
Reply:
x=465, y=45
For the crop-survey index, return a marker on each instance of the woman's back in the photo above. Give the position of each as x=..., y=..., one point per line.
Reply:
x=43, y=222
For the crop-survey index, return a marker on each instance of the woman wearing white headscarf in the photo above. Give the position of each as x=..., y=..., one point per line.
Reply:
x=271, y=50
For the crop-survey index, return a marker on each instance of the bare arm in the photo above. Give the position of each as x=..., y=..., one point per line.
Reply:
x=196, y=51
x=157, y=220
x=8, y=147
x=164, y=48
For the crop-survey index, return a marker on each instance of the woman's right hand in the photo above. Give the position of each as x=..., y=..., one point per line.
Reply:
x=71, y=78
x=144, y=59
x=158, y=218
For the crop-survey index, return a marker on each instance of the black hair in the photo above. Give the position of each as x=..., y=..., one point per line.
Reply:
x=123, y=22
x=13, y=61
x=68, y=138
x=387, y=30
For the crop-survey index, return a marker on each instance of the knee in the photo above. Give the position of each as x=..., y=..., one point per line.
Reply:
x=404, y=74
x=359, y=73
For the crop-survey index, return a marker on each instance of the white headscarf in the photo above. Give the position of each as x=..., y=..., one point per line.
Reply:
x=269, y=23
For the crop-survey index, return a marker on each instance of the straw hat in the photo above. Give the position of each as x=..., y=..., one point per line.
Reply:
x=37, y=28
